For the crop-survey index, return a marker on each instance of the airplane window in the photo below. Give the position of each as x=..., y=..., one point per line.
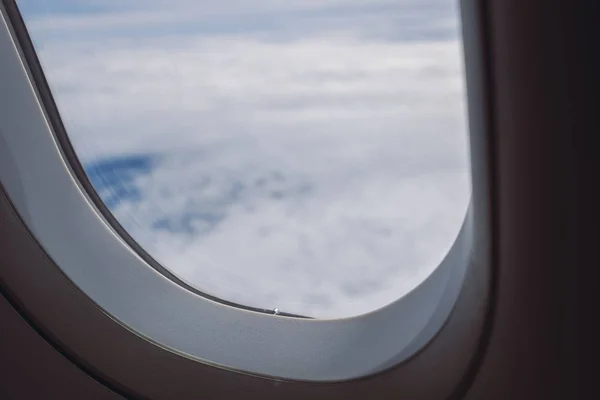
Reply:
x=308, y=157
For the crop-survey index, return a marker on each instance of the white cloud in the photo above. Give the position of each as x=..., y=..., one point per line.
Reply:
x=323, y=174
x=334, y=243
x=211, y=88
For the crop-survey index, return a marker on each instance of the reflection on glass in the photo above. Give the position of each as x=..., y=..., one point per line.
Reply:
x=302, y=155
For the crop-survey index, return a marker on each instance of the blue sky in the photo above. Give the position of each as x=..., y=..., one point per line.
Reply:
x=37, y=8
x=395, y=20
x=305, y=155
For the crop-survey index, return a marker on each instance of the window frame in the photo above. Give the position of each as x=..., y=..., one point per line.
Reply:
x=99, y=340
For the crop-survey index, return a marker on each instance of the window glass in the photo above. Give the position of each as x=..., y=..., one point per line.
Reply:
x=301, y=155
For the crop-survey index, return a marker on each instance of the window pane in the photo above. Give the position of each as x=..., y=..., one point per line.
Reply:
x=309, y=156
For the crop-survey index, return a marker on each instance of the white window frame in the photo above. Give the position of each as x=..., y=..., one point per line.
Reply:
x=440, y=321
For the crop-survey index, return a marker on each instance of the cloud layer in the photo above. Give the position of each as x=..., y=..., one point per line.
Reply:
x=301, y=155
